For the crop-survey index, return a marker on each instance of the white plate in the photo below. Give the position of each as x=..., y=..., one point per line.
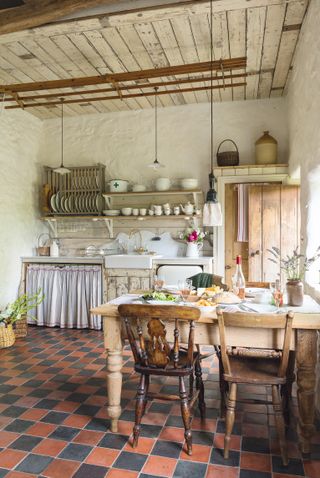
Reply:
x=53, y=203
x=261, y=308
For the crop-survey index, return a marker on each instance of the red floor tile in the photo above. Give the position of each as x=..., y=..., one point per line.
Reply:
x=77, y=421
x=199, y=453
x=312, y=468
x=41, y=429
x=102, y=456
x=61, y=468
x=121, y=474
x=255, y=461
x=10, y=458
x=159, y=466
x=172, y=434
x=216, y=471
x=34, y=414
x=218, y=441
x=87, y=437
x=145, y=446
x=7, y=437
x=50, y=447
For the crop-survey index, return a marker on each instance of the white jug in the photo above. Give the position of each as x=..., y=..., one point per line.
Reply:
x=193, y=249
x=54, y=248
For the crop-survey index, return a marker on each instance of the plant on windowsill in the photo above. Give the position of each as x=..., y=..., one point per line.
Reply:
x=294, y=266
x=14, y=312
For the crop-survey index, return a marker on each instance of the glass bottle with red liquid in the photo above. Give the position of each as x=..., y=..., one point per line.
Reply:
x=238, y=281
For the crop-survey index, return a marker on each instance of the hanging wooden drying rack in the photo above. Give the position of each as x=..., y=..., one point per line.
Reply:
x=18, y=93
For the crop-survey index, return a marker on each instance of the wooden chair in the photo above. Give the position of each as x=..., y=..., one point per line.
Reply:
x=270, y=371
x=155, y=356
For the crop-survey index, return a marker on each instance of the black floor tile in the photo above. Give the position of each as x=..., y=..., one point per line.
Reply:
x=91, y=471
x=68, y=387
x=34, y=463
x=221, y=427
x=98, y=424
x=55, y=417
x=40, y=392
x=87, y=410
x=19, y=426
x=150, y=431
x=217, y=458
x=47, y=403
x=75, y=451
x=9, y=398
x=254, y=474
x=25, y=442
x=128, y=415
x=110, y=440
x=64, y=433
x=174, y=421
x=3, y=472
x=160, y=407
x=78, y=397
x=13, y=411
x=167, y=448
x=202, y=437
x=190, y=469
x=257, y=445
x=130, y=461
x=295, y=466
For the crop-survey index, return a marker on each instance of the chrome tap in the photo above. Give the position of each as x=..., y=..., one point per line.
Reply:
x=139, y=249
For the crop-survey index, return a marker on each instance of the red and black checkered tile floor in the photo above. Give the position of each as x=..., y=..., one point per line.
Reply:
x=53, y=421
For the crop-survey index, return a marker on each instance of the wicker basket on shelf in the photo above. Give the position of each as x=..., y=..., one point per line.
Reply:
x=228, y=158
x=7, y=337
x=21, y=327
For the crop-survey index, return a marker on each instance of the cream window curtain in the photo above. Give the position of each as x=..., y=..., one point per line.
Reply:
x=70, y=291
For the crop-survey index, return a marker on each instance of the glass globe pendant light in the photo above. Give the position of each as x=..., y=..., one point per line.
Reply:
x=156, y=164
x=62, y=169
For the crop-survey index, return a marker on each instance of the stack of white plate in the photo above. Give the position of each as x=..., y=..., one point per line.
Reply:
x=111, y=212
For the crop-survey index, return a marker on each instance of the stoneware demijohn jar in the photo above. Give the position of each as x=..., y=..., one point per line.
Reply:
x=266, y=149
x=295, y=292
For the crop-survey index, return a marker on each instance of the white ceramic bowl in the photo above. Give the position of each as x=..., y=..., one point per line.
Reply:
x=126, y=211
x=138, y=188
x=162, y=184
x=118, y=185
x=189, y=183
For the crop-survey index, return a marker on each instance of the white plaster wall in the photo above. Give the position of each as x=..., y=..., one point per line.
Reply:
x=19, y=183
x=304, y=137
x=124, y=141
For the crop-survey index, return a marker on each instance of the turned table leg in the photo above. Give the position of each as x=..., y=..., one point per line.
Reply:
x=114, y=385
x=114, y=345
x=306, y=356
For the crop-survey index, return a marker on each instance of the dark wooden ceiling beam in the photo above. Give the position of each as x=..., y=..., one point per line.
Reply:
x=124, y=97
x=36, y=13
x=231, y=64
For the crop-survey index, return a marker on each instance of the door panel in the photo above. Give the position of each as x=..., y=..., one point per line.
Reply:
x=232, y=246
x=255, y=233
x=274, y=221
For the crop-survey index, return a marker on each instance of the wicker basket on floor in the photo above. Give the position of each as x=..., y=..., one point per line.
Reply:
x=7, y=337
x=21, y=327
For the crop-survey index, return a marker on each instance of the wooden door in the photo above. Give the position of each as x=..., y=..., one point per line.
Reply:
x=232, y=246
x=274, y=220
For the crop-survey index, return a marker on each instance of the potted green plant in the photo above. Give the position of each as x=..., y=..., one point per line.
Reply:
x=294, y=266
x=14, y=312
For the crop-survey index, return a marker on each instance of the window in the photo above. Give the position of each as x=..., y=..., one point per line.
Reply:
x=313, y=224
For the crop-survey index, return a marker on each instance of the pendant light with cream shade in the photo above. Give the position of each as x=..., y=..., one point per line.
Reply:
x=212, y=215
x=156, y=164
x=62, y=169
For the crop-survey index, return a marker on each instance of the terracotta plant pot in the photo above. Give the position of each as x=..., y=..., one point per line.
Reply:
x=295, y=292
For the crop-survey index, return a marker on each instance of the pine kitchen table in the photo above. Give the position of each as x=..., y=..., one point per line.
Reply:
x=306, y=324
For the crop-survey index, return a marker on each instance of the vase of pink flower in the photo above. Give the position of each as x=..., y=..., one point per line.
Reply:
x=194, y=238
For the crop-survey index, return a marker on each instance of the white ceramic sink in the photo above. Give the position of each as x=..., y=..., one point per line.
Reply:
x=129, y=261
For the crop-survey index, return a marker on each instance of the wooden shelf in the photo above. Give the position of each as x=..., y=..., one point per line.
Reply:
x=155, y=193
x=163, y=216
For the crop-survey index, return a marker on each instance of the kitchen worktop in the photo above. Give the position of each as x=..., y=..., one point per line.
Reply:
x=63, y=260
x=159, y=259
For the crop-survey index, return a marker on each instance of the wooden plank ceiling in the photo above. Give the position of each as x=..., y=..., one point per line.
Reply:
x=264, y=31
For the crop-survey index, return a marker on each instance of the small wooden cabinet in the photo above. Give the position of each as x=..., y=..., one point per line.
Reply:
x=123, y=281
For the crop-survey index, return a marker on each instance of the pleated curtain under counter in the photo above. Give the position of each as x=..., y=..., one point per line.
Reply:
x=70, y=292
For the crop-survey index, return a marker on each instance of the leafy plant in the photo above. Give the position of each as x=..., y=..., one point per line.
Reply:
x=20, y=307
x=294, y=266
